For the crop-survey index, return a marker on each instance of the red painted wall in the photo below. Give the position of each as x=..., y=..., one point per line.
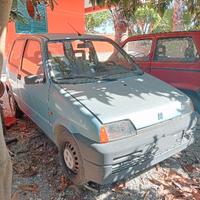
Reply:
x=65, y=12
x=72, y=12
x=10, y=36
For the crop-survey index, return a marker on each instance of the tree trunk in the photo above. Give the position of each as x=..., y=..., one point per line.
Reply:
x=120, y=24
x=5, y=160
x=178, y=24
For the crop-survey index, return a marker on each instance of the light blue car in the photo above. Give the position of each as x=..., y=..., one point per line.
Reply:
x=108, y=118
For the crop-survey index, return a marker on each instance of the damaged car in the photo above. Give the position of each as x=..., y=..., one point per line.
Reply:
x=108, y=118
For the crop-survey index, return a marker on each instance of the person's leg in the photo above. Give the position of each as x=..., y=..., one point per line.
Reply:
x=5, y=168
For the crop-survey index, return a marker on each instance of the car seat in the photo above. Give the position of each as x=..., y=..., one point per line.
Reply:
x=189, y=52
x=160, y=52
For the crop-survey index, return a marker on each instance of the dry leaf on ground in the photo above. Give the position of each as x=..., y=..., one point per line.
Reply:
x=29, y=188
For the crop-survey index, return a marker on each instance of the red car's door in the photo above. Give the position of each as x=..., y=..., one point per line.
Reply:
x=140, y=50
x=176, y=60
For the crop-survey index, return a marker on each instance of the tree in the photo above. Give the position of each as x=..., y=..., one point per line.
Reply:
x=121, y=11
x=145, y=19
x=5, y=161
x=193, y=7
x=96, y=20
x=178, y=15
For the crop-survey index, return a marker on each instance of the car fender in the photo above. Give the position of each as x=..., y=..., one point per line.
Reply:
x=185, y=86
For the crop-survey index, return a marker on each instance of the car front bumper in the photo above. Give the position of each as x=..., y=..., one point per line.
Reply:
x=108, y=163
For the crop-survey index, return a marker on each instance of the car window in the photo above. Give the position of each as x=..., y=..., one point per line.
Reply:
x=16, y=53
x=176, y=49
x=32, y=60
x=87, y=60
x=139, y=49
x=56, y=49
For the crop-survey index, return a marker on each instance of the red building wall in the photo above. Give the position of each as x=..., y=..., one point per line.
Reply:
x=72, y=12
x=65, y=12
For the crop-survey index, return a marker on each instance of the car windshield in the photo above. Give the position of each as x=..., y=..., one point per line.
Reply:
x=87, y=60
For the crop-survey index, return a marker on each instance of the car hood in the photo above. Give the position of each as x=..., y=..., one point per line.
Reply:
x=143, y=99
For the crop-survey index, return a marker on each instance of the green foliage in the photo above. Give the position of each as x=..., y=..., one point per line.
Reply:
x=161, y=6
x=165, y=24
x=95, y=20
x=15, y=15
x=194, y=8
x=127, y=6
x=145, y=19
x=18, y=16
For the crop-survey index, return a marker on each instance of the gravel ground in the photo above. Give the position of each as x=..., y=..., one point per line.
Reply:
x=37, y=174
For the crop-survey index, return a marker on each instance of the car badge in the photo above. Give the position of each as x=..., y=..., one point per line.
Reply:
x=160, y=116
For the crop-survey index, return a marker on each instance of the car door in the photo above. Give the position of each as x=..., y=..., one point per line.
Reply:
x=176, y=61
x=140, y=50
x=14, y=64
x=33, y=86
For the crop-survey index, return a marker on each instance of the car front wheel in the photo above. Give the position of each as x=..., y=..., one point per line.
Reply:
x=71, y=160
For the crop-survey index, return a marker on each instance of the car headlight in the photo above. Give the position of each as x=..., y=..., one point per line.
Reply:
x=117, y=130
x=187, y=107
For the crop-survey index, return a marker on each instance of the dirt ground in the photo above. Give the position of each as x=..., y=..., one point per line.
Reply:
x=37, y=174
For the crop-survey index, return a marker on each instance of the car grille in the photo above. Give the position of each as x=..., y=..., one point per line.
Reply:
x=153, y=141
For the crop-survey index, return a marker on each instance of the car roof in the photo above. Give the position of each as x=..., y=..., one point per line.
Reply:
x=61, y=36
x=165, y=34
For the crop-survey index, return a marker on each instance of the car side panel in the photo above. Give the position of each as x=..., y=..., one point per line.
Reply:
x=68, y=112
x=182, y=75
x=12, y=72
x=34, y=98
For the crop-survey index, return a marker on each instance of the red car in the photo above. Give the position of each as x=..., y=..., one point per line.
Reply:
x=172, y=57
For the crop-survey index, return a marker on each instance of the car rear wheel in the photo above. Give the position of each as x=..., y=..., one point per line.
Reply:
x=71, y=160
x=16, y=111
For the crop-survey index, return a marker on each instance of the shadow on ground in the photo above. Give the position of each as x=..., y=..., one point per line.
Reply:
x=38, y=175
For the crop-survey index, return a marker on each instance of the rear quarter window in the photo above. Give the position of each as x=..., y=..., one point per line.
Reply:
x=16, y=53
x=176, y=49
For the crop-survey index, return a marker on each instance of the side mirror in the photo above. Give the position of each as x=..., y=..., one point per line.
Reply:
x=34, y=79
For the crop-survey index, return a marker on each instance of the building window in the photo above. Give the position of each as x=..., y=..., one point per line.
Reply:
x=33, y=25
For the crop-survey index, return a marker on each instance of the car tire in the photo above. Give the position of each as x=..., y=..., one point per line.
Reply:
x=71, y=160
x=16, y=111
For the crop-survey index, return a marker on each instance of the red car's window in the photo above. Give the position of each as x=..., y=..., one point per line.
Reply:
x=16, y=53
x=176, y=49
x=32, y=60
x=139, y=49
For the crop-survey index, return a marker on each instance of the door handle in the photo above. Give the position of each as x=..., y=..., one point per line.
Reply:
x=19, y=76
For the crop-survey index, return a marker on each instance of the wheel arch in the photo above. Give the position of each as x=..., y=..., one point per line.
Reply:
x=61, y=132
x=195, y=98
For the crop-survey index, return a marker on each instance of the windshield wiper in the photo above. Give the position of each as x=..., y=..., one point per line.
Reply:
x=75, y=77
x=108, y=76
